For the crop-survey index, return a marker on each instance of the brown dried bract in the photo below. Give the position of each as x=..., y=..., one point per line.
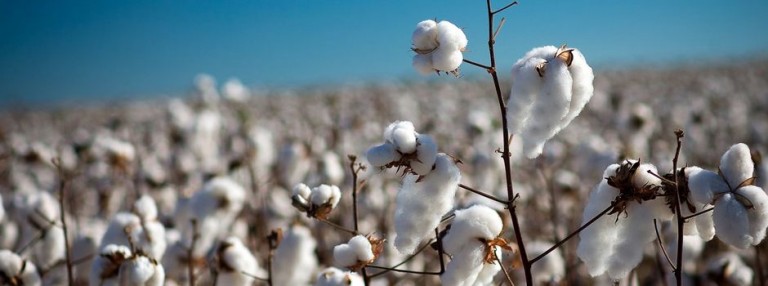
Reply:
x=490, y=256
x=628, y=192
x=377, y=247
x=670, y=190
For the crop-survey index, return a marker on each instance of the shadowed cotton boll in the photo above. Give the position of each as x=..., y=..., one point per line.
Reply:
x=463, y=242
x=15, y=268
x=420, y=203
x=141, y=271
x=423, y=64
x=550, y=87
x=295, y=262
x=105, y=267
x=234, y=259
x=293, y=164
x=382, y=154
x=234, y=90
x=357, y=250
x=426, y=154
x=730, y=269
x=335, y=277
x=425, y=36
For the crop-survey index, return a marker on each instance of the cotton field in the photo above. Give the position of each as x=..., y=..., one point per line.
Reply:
x=548, y=172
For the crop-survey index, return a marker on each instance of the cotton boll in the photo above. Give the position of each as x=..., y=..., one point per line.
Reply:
x=485, y=277
x=302, y=191
x=234, y=90
x=425, y=35
x=404, y=139
x=333, y=172
x=235, y=258
x=475, y=222
x=736, y=165
x=343, y=256
x=145, y=208
x=292, y=164
x=465, y=266
x=358, y=249
x=426, y=154
x=731, y=222
x=582, y=91
x=731, y=268
x=446, y=59
x=335, y=277
x=550, y=107
x=758, y=213
x=220, y=194
x=526, y=86
x=423, y=64
x=419, y=206
x=294, y=261
x=140, y=271
x=105, y=267
x=382, y=154
x=51, y=249
x=11, y=266
x=704, y=184
x=451, y=37
x=325, y=194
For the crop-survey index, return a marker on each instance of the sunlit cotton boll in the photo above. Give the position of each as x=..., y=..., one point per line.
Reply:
x=470, y=225
x=451, y=37
x=234, y=259
x=358, y=249
x=294, y=262
x=420, y=205
x=426, y=154
x=550, y=87
x=141, y=271
x=335, y=277
x=325, y=194
x=424, y=38
x=402, y=135
x=15, y=268
x=382, y=154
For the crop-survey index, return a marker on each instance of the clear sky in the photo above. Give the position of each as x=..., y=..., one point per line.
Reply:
x=53, y=50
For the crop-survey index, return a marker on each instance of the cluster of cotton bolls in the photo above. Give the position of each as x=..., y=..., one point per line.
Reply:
x=438, y=47
x=231, y=165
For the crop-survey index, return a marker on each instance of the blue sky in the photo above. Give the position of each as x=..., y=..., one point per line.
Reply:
x=79, y=51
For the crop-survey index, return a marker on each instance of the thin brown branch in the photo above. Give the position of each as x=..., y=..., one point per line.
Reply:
x=482, y=66
x=503, y=269
x=698, y=213
x=62, y=215
x=483, y=194
x=190, y=253
x=498, y=28
x=661, y=245
x=338, y=227
x=678, y=214
x=402, y=262
x=572, y=234
x=504, y=8
x=354, y=171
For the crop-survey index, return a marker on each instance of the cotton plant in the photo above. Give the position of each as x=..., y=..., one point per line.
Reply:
x=41, y=227
x=403, y=147
x=119, y=265
x=15, y=270
x=358, y=252
x=438, y=47
x=235, y=264
x=550, y=87
x=316, y=202
x=294, y=261
x=740, y=212
x=614, y=243
x=336, y=277
x=475, y=246
x=139, y=228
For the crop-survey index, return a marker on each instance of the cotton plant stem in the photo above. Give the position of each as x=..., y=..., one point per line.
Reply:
x=483, y=194
x=574, y=233
x=503, y=269
x=388, y=269
x=678, y=215
x=352, y=163
x=190, y=253
x=62, y=215
x=661, y=245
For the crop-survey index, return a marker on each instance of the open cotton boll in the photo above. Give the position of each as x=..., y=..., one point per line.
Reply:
x=423, y=64
x=550, y=107
x=301, y=192
x=419, y=206
x=235, y=259
x=731, y=268
x=526, y=86
x=141, y=271
x=402, y=135
x=425, y=35
x=465, y=266
x=11, y=266
x=234, y=90
x=294, y=262
x=736, y=165
x=426, y=154
x=446, y=59
x=358, y=249
x=145, y=208
x=704, y=184
x=485, y=277
x=450, y=37
x=334, y=277
x=737, y=225
x=105, y=266
x=220, y=194
x=475, y=222
x=325, y=194
x=583, y=87
x=382, y=154
x=344, y=256
x=332, y=170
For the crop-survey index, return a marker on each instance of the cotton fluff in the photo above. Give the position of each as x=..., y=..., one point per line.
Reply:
x=402, y=135
x=11, y=266
x=438, y=46
x=148, y=236
x=357, y=250
x=463, y=242
x=294, y=261
x=214, y=208
x=335, y=277
x=105, y=267
x=235, y=259
x=550, y=87
x=382, y=154
x=234, y=90
x=614, y=244
x=141, y=271
x=426, y=154
x=325, y=195
x=419, y=206
x=40, y=215
x=741, y=210
x=145, y=208
x=400, y=139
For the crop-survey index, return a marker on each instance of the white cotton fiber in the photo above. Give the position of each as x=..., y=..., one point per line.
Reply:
x=582, y=90
x=325, y=194
x=465, y=266
x=335, y=277
x=425, y=36
x=11, y=266
x=234, y=90
x=736, y=165
x=526, y=86
x=303, y=191
x=294, y=262
x=444, y=59
x=473, y=223
x=104, y=268
x=145, y=208
x=451, y=37
x=237, y=259
x=758, y=214
x=420, y=205
x=485, y=277
x=423, y=64
x=735, y=224
x=402, y=135
x=704, y=184
x=551, y=268
x=549, y=109
x=426, y=154
x=382, y=154
x=343, y=256
x=358, y=249
x=140, y=271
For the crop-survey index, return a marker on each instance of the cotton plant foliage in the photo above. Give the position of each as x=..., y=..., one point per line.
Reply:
x=438, y=46
x=614, y=243
x=741, y=209
x=550, y=87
